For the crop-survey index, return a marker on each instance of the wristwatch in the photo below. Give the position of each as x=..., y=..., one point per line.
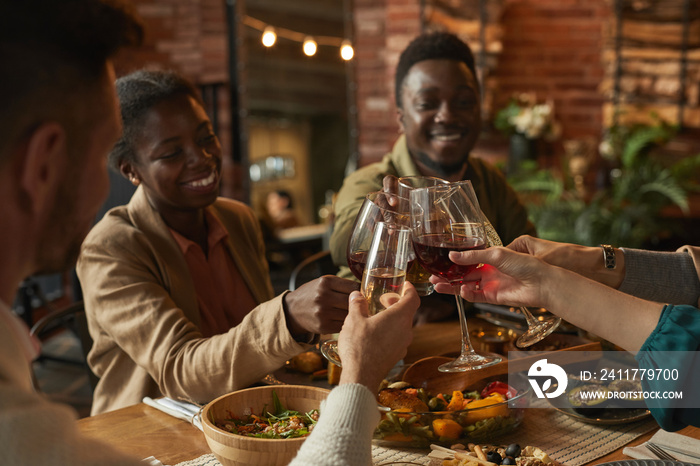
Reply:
x=608, y=256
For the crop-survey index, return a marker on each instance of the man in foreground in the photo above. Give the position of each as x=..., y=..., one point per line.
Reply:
x=60, y=118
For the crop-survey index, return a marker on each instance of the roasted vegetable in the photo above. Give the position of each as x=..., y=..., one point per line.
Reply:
x=629, y=391
x=447, y=428
x=333, y=374
x=307, y=363
x=499, y=387
x=395, y=398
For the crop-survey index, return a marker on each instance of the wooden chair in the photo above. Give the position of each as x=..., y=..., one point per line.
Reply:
x=312, y=267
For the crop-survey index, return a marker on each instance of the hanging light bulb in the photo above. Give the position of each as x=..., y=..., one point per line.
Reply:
x=269, y=37
x=310, y=46
x=346, y=50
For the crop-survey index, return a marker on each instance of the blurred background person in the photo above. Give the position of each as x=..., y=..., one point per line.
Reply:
x=280, y=209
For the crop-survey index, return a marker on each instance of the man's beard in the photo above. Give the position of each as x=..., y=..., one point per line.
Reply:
x=441, y=169
x=63, y=237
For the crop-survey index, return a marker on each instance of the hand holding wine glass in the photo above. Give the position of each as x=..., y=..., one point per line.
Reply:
x=384, y=274
x=537, y=330
x=444, y=219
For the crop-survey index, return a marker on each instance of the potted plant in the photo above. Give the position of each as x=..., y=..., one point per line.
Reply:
x=627, y=212
x=525, y=122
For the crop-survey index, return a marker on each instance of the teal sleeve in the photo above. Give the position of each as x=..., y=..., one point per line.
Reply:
x=674, y=344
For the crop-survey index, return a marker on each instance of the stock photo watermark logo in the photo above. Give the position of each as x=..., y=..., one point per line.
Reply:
x=590, y=381
x=541, y=369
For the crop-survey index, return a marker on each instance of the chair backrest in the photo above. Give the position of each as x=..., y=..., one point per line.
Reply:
x=312, y=267
x=72, y=318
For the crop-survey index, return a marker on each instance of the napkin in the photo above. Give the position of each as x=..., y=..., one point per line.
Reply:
x=180, y=409
x=682, y=447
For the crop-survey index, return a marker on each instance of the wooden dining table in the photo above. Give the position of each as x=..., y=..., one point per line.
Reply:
x=144, y=431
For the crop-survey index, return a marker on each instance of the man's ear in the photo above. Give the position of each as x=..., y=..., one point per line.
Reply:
x=44, y=164
x=399, y=120
x=127, y=170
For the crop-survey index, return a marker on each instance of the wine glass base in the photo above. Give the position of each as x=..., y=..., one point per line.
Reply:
x=538, y=332
x=470, y=361
x=329, y=350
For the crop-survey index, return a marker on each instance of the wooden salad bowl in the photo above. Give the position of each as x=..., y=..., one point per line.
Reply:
x=238, y=450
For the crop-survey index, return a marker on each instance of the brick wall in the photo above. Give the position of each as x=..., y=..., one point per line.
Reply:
x=190, y=36
x=185, y=35
x=382, y=29
x=551, y=47
x=554, y=48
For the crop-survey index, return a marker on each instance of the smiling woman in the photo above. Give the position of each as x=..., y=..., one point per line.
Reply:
x=176, y=283
x=179, y=163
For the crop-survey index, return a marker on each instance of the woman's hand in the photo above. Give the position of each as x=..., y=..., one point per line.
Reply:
x=507, y=277
x=369, y=346
x=319, y=306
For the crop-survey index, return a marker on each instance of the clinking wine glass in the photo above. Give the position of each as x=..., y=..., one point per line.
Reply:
x=537, y=330
x=444, y=219
x=417, y=275
x=377, y=207
x=384, y=275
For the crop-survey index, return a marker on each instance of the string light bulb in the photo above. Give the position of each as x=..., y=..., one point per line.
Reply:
x=310, y=46
x=269, y=36
x=346, y=50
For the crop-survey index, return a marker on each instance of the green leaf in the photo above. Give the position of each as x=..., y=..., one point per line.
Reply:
x=669, y=189
x=276, y=403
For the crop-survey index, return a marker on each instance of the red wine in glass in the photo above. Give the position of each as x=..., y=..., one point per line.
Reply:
x=432, y=251
x=357, y=262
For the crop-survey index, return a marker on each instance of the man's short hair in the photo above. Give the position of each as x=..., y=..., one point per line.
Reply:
x=54, y=53
x=139, y=92
x=431, y=46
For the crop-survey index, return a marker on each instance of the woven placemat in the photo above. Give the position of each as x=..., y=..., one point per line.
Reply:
x=205, y=460
x=563, y=438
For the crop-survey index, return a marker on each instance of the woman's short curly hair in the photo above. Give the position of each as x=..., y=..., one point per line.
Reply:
x=431, y=46
x=138, y=92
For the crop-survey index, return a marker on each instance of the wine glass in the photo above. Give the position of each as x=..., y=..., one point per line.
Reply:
x=384, y=275
x=536, y=329
x=444, y=219
x=377, y=207
x=417, y=275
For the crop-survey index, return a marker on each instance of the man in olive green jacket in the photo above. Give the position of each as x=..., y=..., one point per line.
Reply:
x=439, y=113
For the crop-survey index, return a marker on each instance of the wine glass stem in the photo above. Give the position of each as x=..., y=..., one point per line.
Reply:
x=466, y=342
x=531, y=321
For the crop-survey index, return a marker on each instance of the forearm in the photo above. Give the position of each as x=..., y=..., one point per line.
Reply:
x=343, y=435
x=589, y=262
x=228, y=361
x=583, y=260
x=619, y=318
